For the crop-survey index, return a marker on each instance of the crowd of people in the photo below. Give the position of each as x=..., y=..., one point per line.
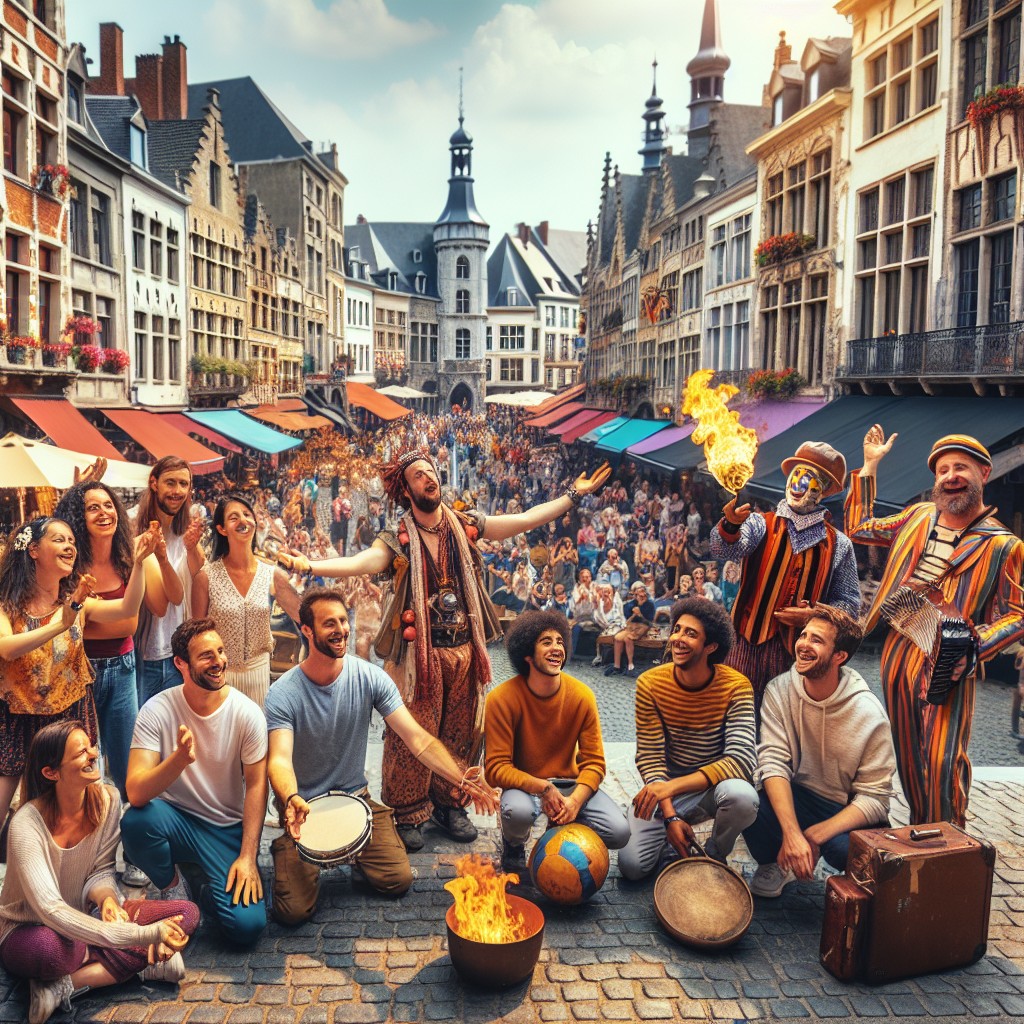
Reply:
x=146, y=634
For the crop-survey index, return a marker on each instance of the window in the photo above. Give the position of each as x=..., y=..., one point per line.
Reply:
x=172, y=257
x=158, y=349
x=821, y=184
x=549, y=316
x=510, y=369
x=1008, y=48
x=489, y=342
x=968, y=208
x=140, y=362
x=975, y=50
x=965, y=262
x=462, y=343
x=137, y=145
x=1004, y=197
x=895, y=197
x=78, y=221
x=101, y=228
x=138, y=240
x=795, y=193
x=1000, y=277
x=512, y=336
x=902, y=79
x=462, y=268
x=462, y=300
x=773, y=205
x=693, y=289
x=869, y=210
x=74, y=104
x=718, y=256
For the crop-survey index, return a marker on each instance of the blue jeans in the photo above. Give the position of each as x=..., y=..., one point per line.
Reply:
x=156, y=677
x=764, y=836
x=116, y=706
x=159, y=835
x=519, y=810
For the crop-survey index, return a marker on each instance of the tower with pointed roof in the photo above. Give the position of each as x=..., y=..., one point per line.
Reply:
x=654, y=131
x=707, y=80
x=461, y=237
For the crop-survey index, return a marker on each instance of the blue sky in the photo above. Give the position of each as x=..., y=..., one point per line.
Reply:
x=549, y=84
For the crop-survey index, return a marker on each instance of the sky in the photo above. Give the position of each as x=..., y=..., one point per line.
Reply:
x=549, y=85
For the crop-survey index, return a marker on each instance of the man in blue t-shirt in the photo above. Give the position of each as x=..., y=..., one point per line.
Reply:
x=318, y=717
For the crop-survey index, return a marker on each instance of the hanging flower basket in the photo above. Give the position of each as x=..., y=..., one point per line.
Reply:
x=779, y=248
x=775, y=383
x=115, y=360
x=986, y=109
x=52, y=178
x=89, y=358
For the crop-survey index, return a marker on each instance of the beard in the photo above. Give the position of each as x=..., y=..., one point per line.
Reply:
x=424, y=503
x=169, y=512
x=816, y=670
x=957, y=504
x=322, y=644
x=205, y=682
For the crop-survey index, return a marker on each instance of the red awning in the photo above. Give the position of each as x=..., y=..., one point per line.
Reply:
x=289, y=405
x=159, y=438
x=556, y=400
x=63, y=424
x=555, y=415
x=288, y=419
x=575, y=421
x=571, y=435
x=181, y=422
x=372, y=401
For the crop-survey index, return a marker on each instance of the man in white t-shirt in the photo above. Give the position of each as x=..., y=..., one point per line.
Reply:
x=197, y=784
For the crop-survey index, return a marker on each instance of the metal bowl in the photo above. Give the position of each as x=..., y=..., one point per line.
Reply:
x=498, y=964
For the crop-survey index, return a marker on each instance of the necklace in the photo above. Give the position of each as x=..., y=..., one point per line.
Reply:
x=429, y=529
x=49, y=608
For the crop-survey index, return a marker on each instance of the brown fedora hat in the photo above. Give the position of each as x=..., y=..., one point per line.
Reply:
x=823, y=457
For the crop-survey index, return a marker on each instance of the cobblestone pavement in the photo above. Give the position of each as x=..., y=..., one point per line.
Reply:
x=365, y=959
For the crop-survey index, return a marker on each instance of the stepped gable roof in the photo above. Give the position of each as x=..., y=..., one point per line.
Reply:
x=392, y=245
x=255, y=128
x=506, y=269
x=172, y=149
x=111, y=116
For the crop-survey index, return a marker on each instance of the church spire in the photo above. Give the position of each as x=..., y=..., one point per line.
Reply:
x=707, y=77
x=461, y=207
x=654, y=132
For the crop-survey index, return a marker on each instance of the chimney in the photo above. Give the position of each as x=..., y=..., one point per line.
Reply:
x=212, y=98
x=149, y=85
x=110, y=80
x=523, y=232
x=783, y=52
x=175, y=79
x=542, y=230
x=361, y=219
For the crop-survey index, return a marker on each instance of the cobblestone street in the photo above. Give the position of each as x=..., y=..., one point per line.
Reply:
x=365, y=959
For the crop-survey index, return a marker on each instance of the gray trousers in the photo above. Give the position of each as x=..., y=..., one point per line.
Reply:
x=732, y=803
x=519, y=810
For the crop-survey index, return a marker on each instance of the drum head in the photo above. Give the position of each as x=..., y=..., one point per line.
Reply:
x=703, y=903
x=336, y=827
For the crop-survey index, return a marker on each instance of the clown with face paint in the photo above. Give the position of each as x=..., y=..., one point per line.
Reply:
x=792, y=559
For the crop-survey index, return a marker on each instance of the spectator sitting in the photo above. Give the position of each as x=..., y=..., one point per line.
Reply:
x=639, y=615
x=613, y=571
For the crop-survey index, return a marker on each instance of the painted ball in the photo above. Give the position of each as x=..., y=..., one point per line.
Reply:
x=409, y=617
x=409, y=634
x=569, y=863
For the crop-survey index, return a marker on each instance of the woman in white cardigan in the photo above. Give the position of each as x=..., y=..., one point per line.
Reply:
x=60, y=864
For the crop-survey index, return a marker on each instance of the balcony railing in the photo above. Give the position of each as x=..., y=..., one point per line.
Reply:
x=989, y=351
x=228, y=385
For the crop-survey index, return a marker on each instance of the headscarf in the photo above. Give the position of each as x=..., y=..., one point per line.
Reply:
x=393, y=474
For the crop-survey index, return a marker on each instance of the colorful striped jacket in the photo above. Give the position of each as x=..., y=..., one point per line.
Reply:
x=987, y=565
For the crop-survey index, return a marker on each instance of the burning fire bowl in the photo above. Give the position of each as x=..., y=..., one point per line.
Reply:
x=498, y=964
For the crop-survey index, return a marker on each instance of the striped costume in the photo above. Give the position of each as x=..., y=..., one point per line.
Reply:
x=787, y=558
x=984, y=584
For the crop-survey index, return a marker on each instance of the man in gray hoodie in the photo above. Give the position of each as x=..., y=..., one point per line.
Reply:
x=825, y=760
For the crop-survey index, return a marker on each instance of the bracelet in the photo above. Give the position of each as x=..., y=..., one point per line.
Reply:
x=574, y=496
x=289, y=800
x=671, y=818
x=77, y=606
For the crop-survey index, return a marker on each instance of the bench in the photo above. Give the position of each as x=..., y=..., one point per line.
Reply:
x=651, y=648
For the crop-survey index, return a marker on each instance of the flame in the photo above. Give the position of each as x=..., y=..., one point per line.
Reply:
x=729, y=446
x=482, y=914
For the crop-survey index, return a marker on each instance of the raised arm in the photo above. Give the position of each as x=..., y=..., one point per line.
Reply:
x=374, y=559
x=97, y=610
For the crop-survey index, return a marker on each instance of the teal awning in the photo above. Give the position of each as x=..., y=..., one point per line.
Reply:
x=245, y=430
x=631, y=432
x=603, y=430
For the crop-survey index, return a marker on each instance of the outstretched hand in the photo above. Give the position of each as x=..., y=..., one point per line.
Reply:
x=876, y=447
x=91, y=473
x=737, y=515
x=589, y=484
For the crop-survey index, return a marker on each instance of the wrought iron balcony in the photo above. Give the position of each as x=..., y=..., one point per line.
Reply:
x=992, y=351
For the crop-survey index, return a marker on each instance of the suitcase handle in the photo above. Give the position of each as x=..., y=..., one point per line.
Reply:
x=919, y=834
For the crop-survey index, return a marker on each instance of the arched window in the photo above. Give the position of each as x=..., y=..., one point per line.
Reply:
x=462, y=268
x=462, y=300
x=462, y=343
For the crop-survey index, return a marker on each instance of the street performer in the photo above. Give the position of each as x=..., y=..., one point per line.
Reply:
x=436, y=625
x=951, y=548
x=792, y=559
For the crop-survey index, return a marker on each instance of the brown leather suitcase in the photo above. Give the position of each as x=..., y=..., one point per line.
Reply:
x=844, y=929
x=931, y=888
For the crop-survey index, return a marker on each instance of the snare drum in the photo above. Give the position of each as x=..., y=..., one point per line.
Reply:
x=337, y=828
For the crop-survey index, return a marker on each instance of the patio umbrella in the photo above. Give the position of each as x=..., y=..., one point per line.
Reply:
x=25, y=463
x=522, y=399
x=401, y=391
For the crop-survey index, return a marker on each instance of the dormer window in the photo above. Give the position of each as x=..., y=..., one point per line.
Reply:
x=392, y=280
x=421, y=283
x=417, y=256
x=137, y=144
x=814, y=85
x=777, y=110
x=511, y=296
x=353, y=253
x=74, y=104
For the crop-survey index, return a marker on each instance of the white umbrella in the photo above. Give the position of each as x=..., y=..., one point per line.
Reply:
x=25, y=463
x=522, y=399
x=401, y=391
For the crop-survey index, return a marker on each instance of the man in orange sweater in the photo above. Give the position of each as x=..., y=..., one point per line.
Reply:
x=543, y=742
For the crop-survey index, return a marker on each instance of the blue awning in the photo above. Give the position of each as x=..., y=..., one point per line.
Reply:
x=245, y=430
x=604, y=429
x=631, y=432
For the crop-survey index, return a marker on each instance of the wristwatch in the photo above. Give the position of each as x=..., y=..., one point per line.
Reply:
x=671, y=818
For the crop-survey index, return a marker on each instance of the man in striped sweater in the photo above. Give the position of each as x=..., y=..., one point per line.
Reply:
x=694, y=744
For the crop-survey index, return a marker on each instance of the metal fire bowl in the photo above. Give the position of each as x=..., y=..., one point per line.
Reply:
x=498, y=964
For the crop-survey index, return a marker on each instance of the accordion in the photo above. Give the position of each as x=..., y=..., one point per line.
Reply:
x=945, y=637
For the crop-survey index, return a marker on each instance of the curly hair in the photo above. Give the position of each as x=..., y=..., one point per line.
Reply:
x=522, y=636
x=71, y=508
x=220, y=542
x=18, y=568
x=717, y=623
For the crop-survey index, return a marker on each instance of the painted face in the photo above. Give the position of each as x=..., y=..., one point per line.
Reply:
x=804, y=488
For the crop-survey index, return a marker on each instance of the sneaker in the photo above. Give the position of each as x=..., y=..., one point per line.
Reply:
x=597, y=661
x=411, y=836
x=455, y=821
x=178, y=889
x=171, y=971
x=45, y=996
x=134, y=877
x=613, y=670
x=631, y=671
x=513, y=858
x=769, y=880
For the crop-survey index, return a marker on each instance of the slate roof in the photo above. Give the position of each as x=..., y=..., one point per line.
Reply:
x=506, y=269
x=390, y=246
x=111, y=116
x=254, y=127
x=567, y=250
x=733, y=127
x=172, y=148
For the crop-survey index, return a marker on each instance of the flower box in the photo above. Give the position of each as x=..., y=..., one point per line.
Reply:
x=56, y=355
x=779, y=248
